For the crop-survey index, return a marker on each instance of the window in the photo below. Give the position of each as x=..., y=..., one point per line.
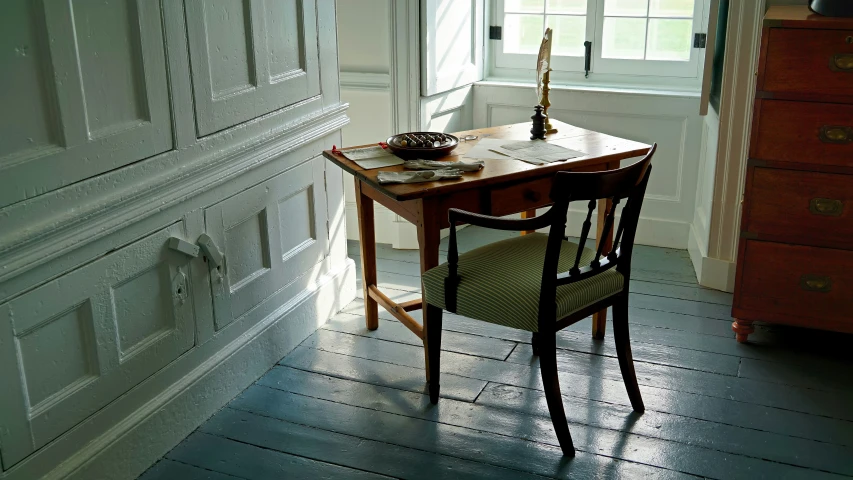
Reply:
x=634, y=37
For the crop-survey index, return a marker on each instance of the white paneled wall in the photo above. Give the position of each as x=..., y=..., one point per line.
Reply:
x=364, y=39
x=370, y=112
x=364, y=36
x=133, y=134
x=670, y=119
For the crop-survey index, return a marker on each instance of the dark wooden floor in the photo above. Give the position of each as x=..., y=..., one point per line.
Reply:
x=349, y=403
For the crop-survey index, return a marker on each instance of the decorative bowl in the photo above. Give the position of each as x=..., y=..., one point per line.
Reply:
x=426, y=145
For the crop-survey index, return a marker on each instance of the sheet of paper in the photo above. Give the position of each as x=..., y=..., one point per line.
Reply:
x=537, y=152
x=483, y=149
x=369, y=158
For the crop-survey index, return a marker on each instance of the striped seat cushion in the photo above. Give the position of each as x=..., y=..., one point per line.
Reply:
x=500, y=282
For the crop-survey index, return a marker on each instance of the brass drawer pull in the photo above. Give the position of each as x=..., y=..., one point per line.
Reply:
x=842, y=62
x=836, y=134
x=816, y=283
x=826, y=206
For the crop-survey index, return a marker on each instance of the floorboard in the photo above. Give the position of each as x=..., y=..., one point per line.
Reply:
x=348, y=450
x=352, y=403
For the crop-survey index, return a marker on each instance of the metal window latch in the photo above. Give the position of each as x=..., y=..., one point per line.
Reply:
x=184, y=247
x=699, y=40
x=587, y=61
x=210, y=250
x=495, y=32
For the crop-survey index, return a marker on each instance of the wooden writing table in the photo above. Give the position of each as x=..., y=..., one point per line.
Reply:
x=503, y=187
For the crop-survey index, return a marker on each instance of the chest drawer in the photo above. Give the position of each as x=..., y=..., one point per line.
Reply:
x=809, y=61
x=804, y=132
x=814, y=285
x=803, y=207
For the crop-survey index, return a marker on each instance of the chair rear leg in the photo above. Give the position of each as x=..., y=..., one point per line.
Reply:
x=534, y=343
x=623, y=350
x=432, y=349
x=548, y=366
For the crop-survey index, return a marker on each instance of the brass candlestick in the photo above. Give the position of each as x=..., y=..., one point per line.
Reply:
x=546, y=79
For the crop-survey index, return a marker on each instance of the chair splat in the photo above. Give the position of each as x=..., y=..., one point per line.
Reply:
x=605, y=232
x=587, y=224
x=626, y=213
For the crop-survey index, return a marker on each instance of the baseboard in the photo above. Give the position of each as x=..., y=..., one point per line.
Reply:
x=140, y=439
x=711, y=272
x=718, y=274
x=697, y=249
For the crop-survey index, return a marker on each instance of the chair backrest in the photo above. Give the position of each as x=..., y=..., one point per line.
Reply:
x=629, y=184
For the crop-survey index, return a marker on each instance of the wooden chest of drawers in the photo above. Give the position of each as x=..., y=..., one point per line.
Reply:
x=795, y=260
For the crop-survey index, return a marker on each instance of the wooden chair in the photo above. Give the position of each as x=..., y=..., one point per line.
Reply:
x=544, y=283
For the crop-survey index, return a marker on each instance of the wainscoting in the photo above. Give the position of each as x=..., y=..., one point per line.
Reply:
x=670, y=119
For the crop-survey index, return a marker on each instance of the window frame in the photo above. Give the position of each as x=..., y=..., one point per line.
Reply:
x=513, y=65
x=525, y=60
x=656, y=68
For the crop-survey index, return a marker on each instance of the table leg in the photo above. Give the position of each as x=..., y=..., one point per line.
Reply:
x=599, y=319
x=428, y=240
x=367, y=237
x=528, y=214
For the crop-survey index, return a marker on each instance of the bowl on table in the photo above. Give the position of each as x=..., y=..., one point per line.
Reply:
x=426, y=145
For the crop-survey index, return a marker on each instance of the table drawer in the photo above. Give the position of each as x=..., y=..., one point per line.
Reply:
x=797, y=282
x=519, y=197
x=801, y=206
x=809, y=61
x=803, y=132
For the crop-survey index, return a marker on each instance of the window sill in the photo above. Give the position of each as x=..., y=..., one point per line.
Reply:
x=597, y=88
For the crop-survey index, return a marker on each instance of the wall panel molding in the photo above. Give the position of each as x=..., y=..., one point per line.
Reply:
x=94, y=210
x=168, y=406
x=677, y=196
x=672, y=121
x=365, y=81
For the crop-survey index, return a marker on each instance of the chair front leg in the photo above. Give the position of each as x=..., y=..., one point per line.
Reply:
x=432, y=348
x=548, y=365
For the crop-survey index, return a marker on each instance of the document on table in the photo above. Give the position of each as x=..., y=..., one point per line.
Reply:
x=369, y=158
x=483, y=149
x=537, y=152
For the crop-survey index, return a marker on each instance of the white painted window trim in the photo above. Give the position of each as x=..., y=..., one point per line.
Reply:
x=405, y=65
x=604, y=72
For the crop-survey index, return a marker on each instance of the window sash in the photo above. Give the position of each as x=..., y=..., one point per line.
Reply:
x=528, y=60
x=659, y=68
x=599, y=65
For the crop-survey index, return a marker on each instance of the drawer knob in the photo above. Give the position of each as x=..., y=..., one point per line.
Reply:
x=836, y=134
x=531, y=196
x=816, y=283
x=826, y=206
x=842, y=62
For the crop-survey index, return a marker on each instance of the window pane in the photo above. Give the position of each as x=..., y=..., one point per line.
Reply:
x=577, y=7
x=522, y=33
x=569, y=35
x=671, y=8
x=524, y=6
x=669, y=39
x=624, y=38
x=626, y=8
